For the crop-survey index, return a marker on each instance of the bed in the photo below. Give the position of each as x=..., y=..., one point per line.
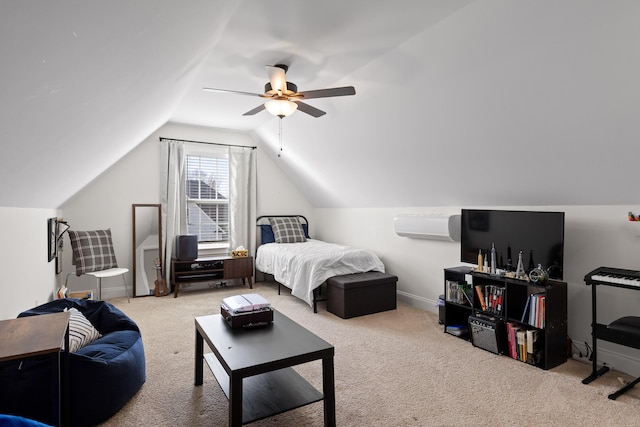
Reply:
x=301, y=263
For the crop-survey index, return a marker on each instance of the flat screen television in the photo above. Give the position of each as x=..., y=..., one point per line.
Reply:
x=538, y=234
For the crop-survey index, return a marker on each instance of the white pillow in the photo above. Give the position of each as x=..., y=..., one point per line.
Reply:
x=81, y=331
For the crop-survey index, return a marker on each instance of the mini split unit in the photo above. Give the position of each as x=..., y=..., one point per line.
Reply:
x=430, y=226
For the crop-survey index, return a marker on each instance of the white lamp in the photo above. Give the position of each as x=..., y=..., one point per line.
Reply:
x=281, y=107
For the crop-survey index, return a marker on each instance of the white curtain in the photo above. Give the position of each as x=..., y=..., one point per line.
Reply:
x=242, y=198
x=172, y=197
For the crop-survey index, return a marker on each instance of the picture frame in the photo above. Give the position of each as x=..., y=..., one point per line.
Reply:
x=52, y=238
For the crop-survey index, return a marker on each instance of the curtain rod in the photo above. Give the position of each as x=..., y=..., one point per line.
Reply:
x=210, y=143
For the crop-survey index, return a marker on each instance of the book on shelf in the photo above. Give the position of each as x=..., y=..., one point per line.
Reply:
x=512, y=328
x=532, y=337
x=480, y=293
x=533, y=355
x=536, y=306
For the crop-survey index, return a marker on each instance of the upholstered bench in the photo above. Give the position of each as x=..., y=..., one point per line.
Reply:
x=358, y=294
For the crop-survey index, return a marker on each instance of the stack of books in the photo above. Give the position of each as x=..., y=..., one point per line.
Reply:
x=522, y=343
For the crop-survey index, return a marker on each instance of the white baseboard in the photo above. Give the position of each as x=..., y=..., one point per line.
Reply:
x=614, y=359
x=112, y=292
x=119, y=291
x=417, y=301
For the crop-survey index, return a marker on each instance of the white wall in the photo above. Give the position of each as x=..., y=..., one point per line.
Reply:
x=135, y=179
x=28, y=278
x=277, y=195
x=594, y=236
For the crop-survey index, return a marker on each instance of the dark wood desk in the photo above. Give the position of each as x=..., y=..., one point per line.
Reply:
x=250, y=363
x=32, y=336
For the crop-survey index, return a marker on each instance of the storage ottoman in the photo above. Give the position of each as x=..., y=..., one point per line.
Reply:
x=358, y=294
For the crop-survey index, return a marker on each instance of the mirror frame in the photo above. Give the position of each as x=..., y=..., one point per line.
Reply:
x=134, y=243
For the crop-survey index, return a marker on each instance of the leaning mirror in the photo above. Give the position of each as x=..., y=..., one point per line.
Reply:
x=147, y=241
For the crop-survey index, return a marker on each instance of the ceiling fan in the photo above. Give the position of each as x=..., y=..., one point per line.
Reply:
x=283, y=97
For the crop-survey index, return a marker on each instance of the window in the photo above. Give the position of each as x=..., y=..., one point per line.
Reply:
x=207, y=195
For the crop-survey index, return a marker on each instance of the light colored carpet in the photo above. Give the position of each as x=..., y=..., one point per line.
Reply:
x=395, y=368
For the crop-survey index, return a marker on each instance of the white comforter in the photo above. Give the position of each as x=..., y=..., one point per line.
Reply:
x=302, y=267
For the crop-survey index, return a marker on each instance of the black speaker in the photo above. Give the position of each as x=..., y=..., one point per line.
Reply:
x=187, y=247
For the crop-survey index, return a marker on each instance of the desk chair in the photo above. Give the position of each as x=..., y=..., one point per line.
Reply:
x=93, y=255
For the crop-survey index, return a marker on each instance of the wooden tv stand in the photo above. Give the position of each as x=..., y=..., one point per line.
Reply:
x=210, y=269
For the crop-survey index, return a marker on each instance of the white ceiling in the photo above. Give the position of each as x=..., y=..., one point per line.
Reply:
x=458, y=102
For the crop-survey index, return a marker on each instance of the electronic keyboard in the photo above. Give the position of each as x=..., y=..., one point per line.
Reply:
x=613, y=276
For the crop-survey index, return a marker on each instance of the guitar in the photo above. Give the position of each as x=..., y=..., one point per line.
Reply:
x=160, y=289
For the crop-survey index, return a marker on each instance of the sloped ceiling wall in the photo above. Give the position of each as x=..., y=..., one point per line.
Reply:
x=502, y=103
x=458, y=102
x=83, y=82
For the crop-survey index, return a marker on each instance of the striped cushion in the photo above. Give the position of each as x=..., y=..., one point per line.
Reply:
x=81, y=331
x=287, y=230
x=92, y=250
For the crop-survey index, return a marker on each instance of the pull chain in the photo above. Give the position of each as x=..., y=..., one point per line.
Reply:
x=280, y=135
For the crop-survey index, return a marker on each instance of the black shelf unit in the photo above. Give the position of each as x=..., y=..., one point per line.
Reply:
x=456, y=314
x=552, y=338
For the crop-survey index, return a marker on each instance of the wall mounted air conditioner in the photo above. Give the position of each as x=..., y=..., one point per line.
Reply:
x=428, y=226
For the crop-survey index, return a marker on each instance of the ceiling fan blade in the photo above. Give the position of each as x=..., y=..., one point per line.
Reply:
x=325, y=93
x=210, y=89
x=277, y=78
x=255, y=110
x=313, y=111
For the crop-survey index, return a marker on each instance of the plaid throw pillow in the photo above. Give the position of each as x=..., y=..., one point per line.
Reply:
x=92, y=251
x=287, y=230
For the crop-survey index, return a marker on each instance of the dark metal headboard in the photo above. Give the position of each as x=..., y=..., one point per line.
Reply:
x=264, y=219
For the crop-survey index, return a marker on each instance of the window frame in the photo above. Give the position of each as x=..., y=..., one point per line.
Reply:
x=210, y=151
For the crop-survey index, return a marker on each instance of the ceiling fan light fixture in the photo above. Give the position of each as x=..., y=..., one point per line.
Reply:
x=281, y=107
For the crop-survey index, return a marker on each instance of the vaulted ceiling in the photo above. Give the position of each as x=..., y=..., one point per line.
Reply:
x=458, y=102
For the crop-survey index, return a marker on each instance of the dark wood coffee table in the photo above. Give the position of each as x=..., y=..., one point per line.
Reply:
x=249, y=364
x=34, y=336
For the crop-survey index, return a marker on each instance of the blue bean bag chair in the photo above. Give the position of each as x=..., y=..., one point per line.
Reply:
x=103, y=374
x=15, y=421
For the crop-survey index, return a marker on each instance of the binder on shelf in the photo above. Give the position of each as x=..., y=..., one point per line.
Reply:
x=526, y=310
x=536, y=304
x=480, y=293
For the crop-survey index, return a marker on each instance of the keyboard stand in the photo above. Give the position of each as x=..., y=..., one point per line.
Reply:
x=624, y=331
